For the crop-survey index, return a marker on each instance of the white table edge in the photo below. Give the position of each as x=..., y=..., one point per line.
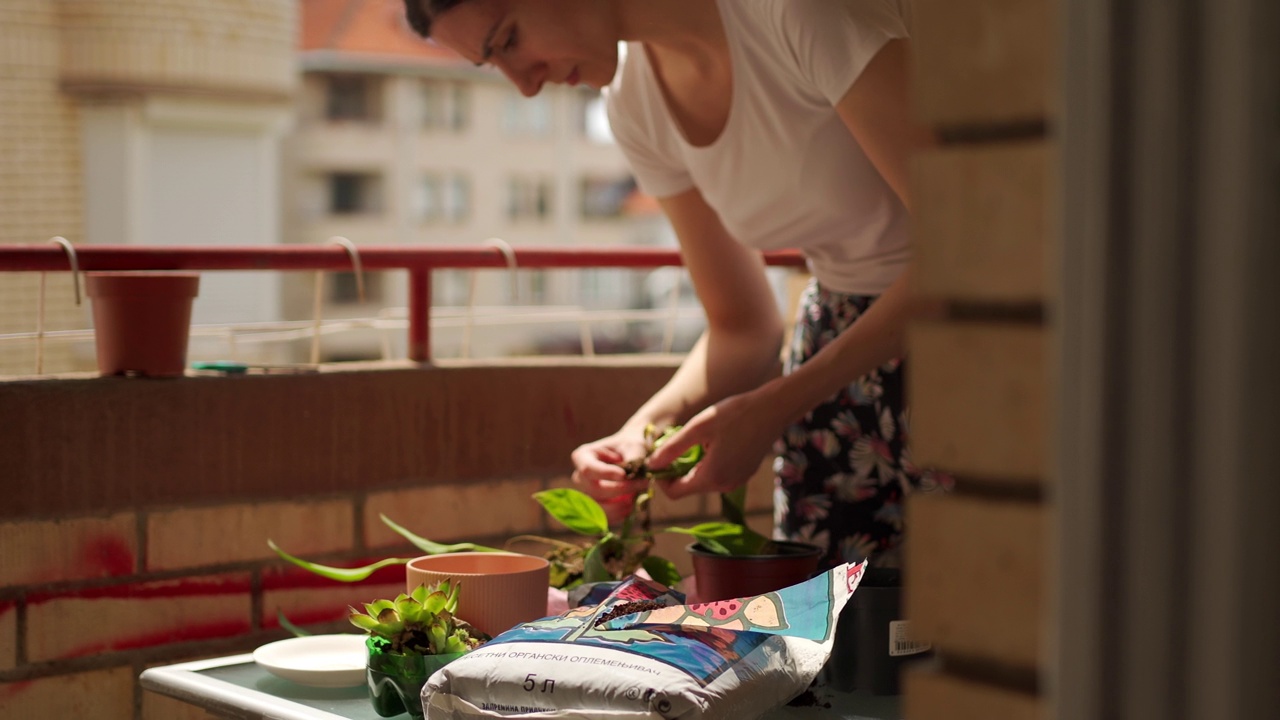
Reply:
x=184, y=682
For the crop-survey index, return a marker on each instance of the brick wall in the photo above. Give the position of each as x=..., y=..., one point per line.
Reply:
x=978, y=563
x=137, y=512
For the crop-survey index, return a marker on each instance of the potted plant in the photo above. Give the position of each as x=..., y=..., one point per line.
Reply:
x=730, y=560
x=142, y=321
x=607, y=554
x=409, y=639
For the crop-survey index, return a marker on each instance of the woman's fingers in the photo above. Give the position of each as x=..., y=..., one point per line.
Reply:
x=695, y=432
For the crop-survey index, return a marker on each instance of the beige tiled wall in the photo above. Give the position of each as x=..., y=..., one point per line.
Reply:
x=977, y=564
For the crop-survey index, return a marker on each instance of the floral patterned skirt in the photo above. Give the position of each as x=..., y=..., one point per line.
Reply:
x=842, y=472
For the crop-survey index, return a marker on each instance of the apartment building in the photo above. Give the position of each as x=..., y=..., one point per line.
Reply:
x=398, y=140
x=139, y=122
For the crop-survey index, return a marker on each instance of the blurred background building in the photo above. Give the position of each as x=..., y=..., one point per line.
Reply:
x=181, y=122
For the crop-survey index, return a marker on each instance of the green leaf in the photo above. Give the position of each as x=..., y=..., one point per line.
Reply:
x=434, y=548
x=376, y=607
x=726, y=538
x=593, y=567
x=732, y=505
x=710, y=529
x=333, y=573
x=714, y=546
x=435, y=602
x=362, y=621
x=284, y=623
x=575, y=510
x=661, y=570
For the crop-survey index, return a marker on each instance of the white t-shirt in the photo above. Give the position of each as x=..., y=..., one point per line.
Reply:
x=785, y=172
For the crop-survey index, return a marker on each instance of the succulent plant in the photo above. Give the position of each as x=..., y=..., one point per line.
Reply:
x=422, y=622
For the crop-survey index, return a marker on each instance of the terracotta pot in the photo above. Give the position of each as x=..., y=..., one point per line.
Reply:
x=142, y=321
x=498, y=590
x=725, y=577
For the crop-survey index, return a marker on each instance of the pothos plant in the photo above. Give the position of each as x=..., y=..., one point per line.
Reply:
x=606, y=554
x=610, y=555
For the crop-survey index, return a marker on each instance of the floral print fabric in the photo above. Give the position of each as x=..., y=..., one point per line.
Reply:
x=843, y=471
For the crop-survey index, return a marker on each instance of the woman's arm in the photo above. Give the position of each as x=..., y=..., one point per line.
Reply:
x=738, y=351
x=740, y=430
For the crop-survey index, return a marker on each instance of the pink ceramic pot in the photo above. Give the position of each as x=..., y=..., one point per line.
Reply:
x=499, y=590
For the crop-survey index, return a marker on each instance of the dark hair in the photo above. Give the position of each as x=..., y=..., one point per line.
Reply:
x=420, y=13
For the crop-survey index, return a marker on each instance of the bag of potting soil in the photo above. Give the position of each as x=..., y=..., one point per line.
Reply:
x=641, y=652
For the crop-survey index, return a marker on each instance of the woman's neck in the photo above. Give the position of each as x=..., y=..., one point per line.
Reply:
x=688, y=28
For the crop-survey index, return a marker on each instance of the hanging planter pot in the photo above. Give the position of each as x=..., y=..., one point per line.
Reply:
x=142, y=321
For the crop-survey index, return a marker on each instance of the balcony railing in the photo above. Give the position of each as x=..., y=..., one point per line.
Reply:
x=342, y=255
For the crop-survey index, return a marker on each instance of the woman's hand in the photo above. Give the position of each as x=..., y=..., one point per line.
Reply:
x=736, y=434
x=597, y=471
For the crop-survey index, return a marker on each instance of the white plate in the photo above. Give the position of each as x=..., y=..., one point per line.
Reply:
x=316, y=660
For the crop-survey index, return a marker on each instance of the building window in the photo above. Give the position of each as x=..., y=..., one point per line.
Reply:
x=345, y=290
x=528, y=198
x=351, y=97
x=354, y=193
x=527, y=117
x=605, y=197
x=442, y=197
x=446, y=105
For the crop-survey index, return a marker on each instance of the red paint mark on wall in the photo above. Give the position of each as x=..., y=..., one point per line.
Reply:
x=183, y=633
x=13, y=689
x=570, y=422
x=309, y=616
x=107, y=556
x=183, y=587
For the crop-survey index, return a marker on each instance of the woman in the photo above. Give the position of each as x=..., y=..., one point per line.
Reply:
x=758, y=124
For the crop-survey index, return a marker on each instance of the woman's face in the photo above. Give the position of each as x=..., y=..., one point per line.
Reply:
x=534, y=42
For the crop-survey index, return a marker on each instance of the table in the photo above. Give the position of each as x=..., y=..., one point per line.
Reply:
x=236, y=687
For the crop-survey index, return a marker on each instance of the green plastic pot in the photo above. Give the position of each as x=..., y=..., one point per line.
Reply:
x=395, y=679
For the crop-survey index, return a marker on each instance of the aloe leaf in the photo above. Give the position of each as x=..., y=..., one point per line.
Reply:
x=662, y=570
x=334, y=573
x=284, y=623
x=575, y=510
x=434, y=548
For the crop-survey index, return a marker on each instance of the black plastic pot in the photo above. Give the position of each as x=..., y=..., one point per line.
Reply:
x=725, y=577
x=871, y=643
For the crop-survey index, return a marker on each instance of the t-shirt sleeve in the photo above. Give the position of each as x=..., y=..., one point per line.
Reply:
x=651, y=152
x=832, y=41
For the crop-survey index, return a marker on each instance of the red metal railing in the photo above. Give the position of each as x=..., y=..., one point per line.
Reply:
x=419, y=261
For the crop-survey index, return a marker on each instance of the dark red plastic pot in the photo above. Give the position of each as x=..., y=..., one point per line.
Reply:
x=724, y=577
x=142, y=321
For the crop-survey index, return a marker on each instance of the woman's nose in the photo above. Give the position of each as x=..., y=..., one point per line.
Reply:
x=528, y=81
